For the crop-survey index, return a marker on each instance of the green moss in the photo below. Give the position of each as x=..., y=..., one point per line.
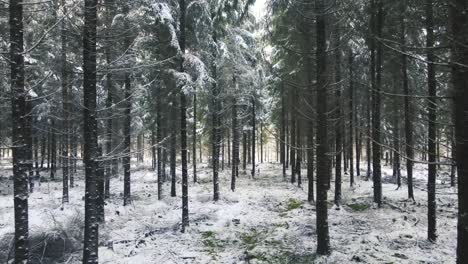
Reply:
x=294, y=204
x=212, y=243
x=358, y=207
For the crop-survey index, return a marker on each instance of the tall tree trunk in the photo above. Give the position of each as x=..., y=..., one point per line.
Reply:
x=432, y=107
x=408, y=124
x=235, y=145
x=91, y=233
x=244, y=150
x=29, y=142
x=459, y=28
x=376, y=89
x=128, y=121
x=261, y=142
x=283, y=132
x=65, y=106
x=323, y=171
x=159, y=138
x=19, y=132
x=43, y=151
x=293, y=145
x=110, y=98
x=351, y=119
x=53, y=150
x=339, y=124
x=254, y=116
x=215, y=129
x=183, y=124
x=194, y=135
x=173, y=146
x=396, y=138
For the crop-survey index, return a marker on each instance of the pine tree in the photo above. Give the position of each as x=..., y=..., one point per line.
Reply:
x=91, y=226
x=323, y=171
x=19, y=132
x=431, y=78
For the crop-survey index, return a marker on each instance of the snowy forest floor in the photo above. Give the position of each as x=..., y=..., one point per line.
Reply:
x=267, y=220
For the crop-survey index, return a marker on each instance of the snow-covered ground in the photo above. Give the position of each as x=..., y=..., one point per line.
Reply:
x=267, y=220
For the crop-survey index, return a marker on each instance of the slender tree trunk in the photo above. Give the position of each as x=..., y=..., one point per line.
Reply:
x=293, y=146
x=244, y=150
x=261, y=142
x=235, y=145
x=29, y=142
x=53, y=151
x=376, y=89
x=65, y=105
x=43, y=151
x=215, y=130
x=194, y=135
x=159, y=137
x=432, y=106
x=396, y=139
x=283, y=132
x=339, y=125
x=128, y=121
x=254, y=116
x=459, y=28
x=173, y=147
x=408, y=124
x=19, y=132
x=91, y=233
x=323, y=171
x=351, y=119
x=358, y=143
x=183, y=124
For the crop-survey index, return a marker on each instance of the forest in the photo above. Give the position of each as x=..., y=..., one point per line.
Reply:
x=233, y=131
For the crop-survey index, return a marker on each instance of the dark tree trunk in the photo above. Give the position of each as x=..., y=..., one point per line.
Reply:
x=261, y=142
x=173, y=147
x=159, y=137
x=376, y=89
x=283, y=132
x=358, y=144
x=339, y=124
x=235, y=145
x=396, y=138
x=459, y=27
x=323, y=171
x=453, y=168
x=43, y=150
x=244, y=150
x=91, y=233
x=351, y=119
x=254, y=116
x=293, y=145
x=299, y=152
x=216, y=134
x=29, y=143
x=194, y=135
x=127, y=122
x=53, y=151
x=49, y=148
x=19, y=133
x=183, y=124
x=65, y=105
x=101, y=187
x=432, y=107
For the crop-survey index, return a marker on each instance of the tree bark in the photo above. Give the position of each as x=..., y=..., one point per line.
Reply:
x=432, y=106
x=183, y=123
x=459, y=28
x=91, y=233
x=19, y=132
x=323, y=171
